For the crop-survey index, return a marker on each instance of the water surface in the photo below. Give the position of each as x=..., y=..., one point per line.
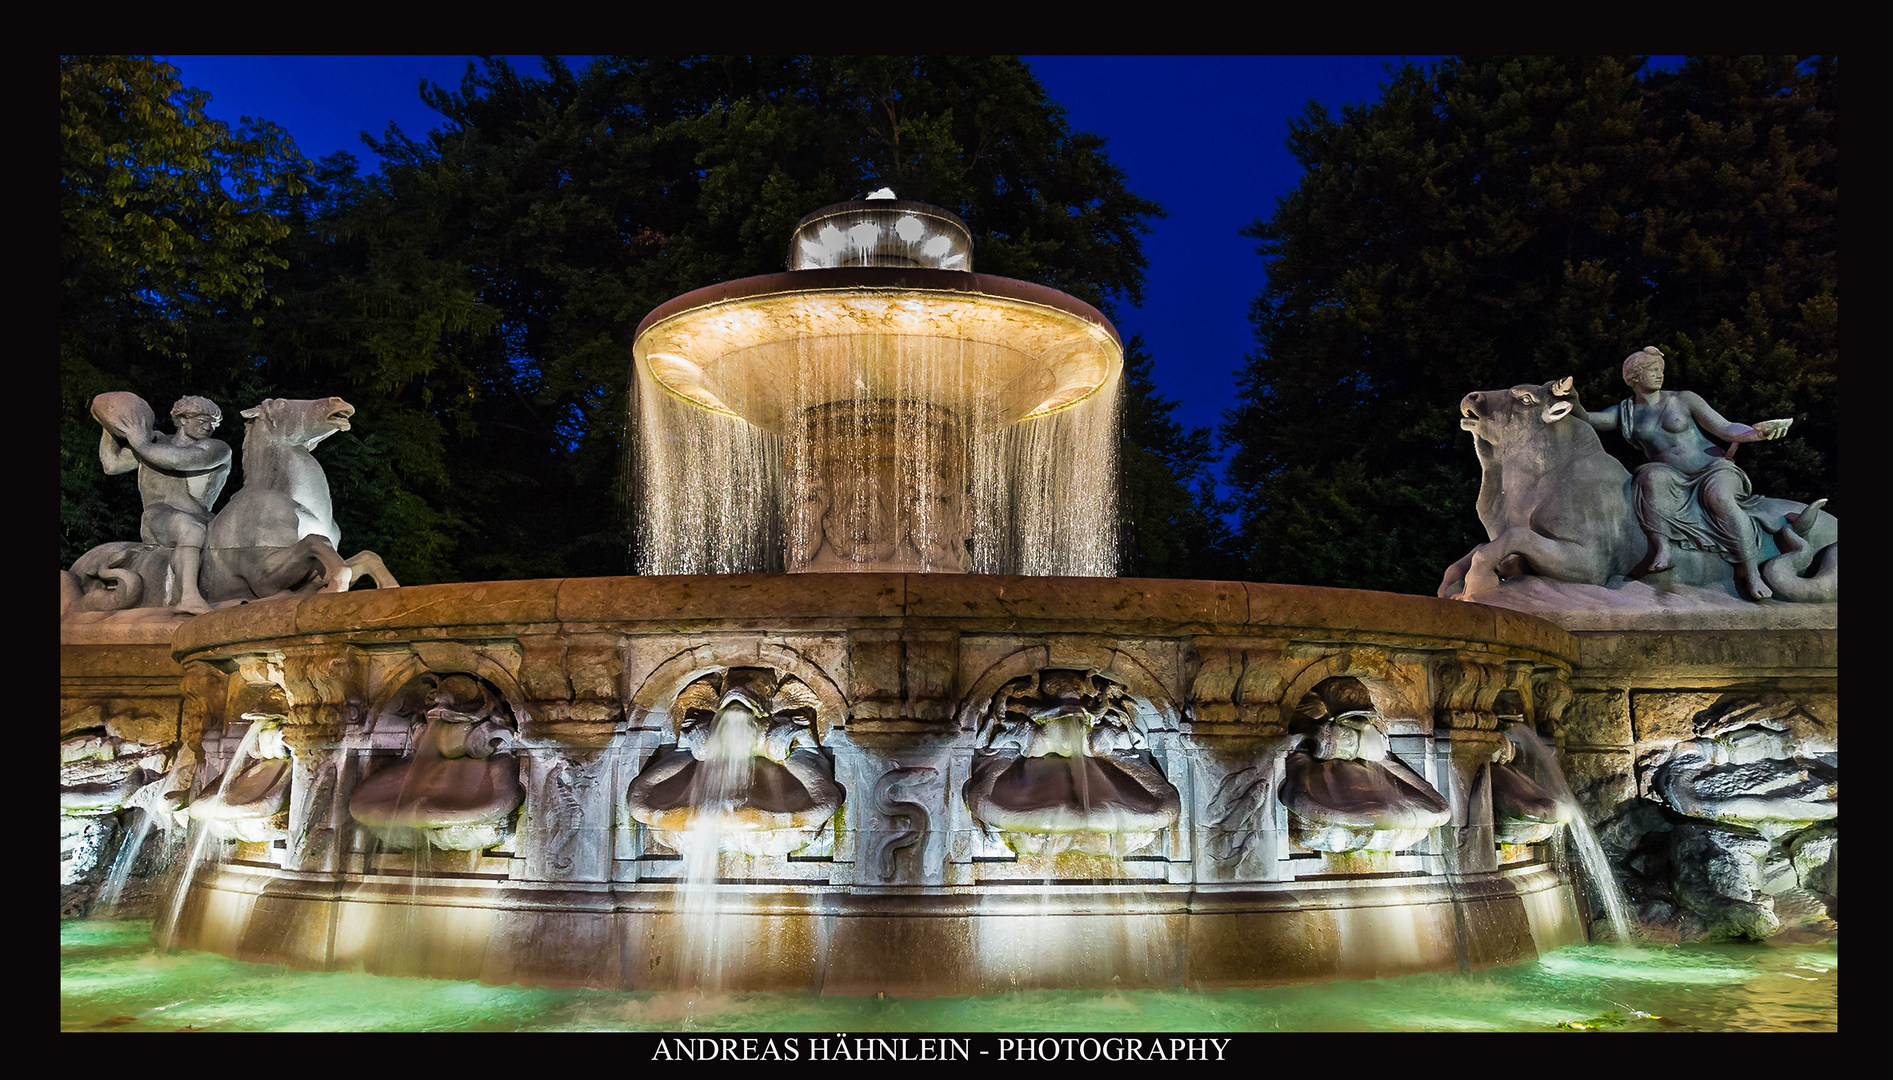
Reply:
x=112, y=979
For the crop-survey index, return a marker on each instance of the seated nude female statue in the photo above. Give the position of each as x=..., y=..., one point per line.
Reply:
x=1690, y=494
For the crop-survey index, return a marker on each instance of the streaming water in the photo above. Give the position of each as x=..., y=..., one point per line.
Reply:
x=200, y=836
x=718, y=786
x=111, y=978
x=890, y=453
x=1590, y=853
x=113, y=888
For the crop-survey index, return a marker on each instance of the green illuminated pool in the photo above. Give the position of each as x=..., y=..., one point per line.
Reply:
x=111, y=979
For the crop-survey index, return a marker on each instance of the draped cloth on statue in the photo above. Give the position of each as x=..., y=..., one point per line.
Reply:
x=1669, y=502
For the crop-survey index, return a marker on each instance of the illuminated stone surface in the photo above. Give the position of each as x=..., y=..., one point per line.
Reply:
x=898, y=676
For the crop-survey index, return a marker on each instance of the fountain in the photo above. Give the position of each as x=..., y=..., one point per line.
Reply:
x=878, y=407
x=876, y=720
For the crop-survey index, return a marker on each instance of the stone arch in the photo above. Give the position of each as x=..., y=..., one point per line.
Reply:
x=651, y=700
x=1393, y=697
x=390, y=682
x=1156, y=710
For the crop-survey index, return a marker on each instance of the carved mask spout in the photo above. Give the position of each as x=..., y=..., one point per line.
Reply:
x=1523, y=811
x=1346, y=792
x=459, y=788
x=746, y=775
x=252, y=804
x=1070, y=773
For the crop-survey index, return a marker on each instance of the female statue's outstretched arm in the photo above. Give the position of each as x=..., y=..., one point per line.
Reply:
x=1715, y=426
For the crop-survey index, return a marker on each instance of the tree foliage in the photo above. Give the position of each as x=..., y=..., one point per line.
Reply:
x=167, y=232
x=1171, y=514
x=474, y=293
x=1494, y=221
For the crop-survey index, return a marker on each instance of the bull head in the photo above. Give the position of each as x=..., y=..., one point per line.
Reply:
x=1554, y=411
x=1487, y=413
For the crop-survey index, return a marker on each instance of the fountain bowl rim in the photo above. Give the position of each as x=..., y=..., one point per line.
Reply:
x=911, y=206
x=878, y=278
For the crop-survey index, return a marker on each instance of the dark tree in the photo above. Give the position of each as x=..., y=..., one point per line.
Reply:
x=572, y=204
x=1495, y=221
x=166, y=232
x=1168, y=507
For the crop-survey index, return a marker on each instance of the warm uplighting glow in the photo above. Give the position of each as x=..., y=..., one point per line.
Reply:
x=685, y=379
x=754, y=357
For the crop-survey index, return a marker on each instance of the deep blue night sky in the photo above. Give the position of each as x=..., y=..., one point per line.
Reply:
x=1204, y=136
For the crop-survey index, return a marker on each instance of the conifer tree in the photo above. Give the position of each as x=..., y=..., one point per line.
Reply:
x=1500, y=220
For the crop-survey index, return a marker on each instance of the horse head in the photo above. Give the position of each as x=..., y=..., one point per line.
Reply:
x=306, y=422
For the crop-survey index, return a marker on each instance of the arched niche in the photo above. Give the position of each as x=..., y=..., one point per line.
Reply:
x=651, y=702
x=1152, y=706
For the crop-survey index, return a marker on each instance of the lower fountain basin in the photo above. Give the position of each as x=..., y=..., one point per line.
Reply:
x=910, y=944
x=908, y=884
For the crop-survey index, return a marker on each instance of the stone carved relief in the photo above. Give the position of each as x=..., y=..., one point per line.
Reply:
x=1551, y=698
x=746, y=772
x=1229, y=686
x=571, y=786
x=1344, y=789
x=902, y=797
x=880, y=485
x=277, y=535
x=458, y=786
x=1061, y=763
x=1750, y=842
x=1466, y=693
x=1238, y=814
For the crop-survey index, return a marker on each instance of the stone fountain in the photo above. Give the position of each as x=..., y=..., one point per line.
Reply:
x=876, y=719
x=878, y=407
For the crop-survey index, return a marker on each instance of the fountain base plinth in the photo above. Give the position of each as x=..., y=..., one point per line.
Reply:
x=1073, y=935
x=878, y=485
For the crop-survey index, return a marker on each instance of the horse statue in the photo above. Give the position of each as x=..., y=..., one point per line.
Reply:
x=276, y=536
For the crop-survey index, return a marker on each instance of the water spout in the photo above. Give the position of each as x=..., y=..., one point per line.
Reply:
x=1583, y=837
x=201, y=831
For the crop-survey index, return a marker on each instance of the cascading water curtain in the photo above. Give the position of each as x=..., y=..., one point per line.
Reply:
x=1040, y=496
x=707, y=489
x=1046, y=493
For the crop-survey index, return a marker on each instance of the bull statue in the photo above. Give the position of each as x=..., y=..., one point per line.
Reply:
x=1558, y=506
x=276, y=536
